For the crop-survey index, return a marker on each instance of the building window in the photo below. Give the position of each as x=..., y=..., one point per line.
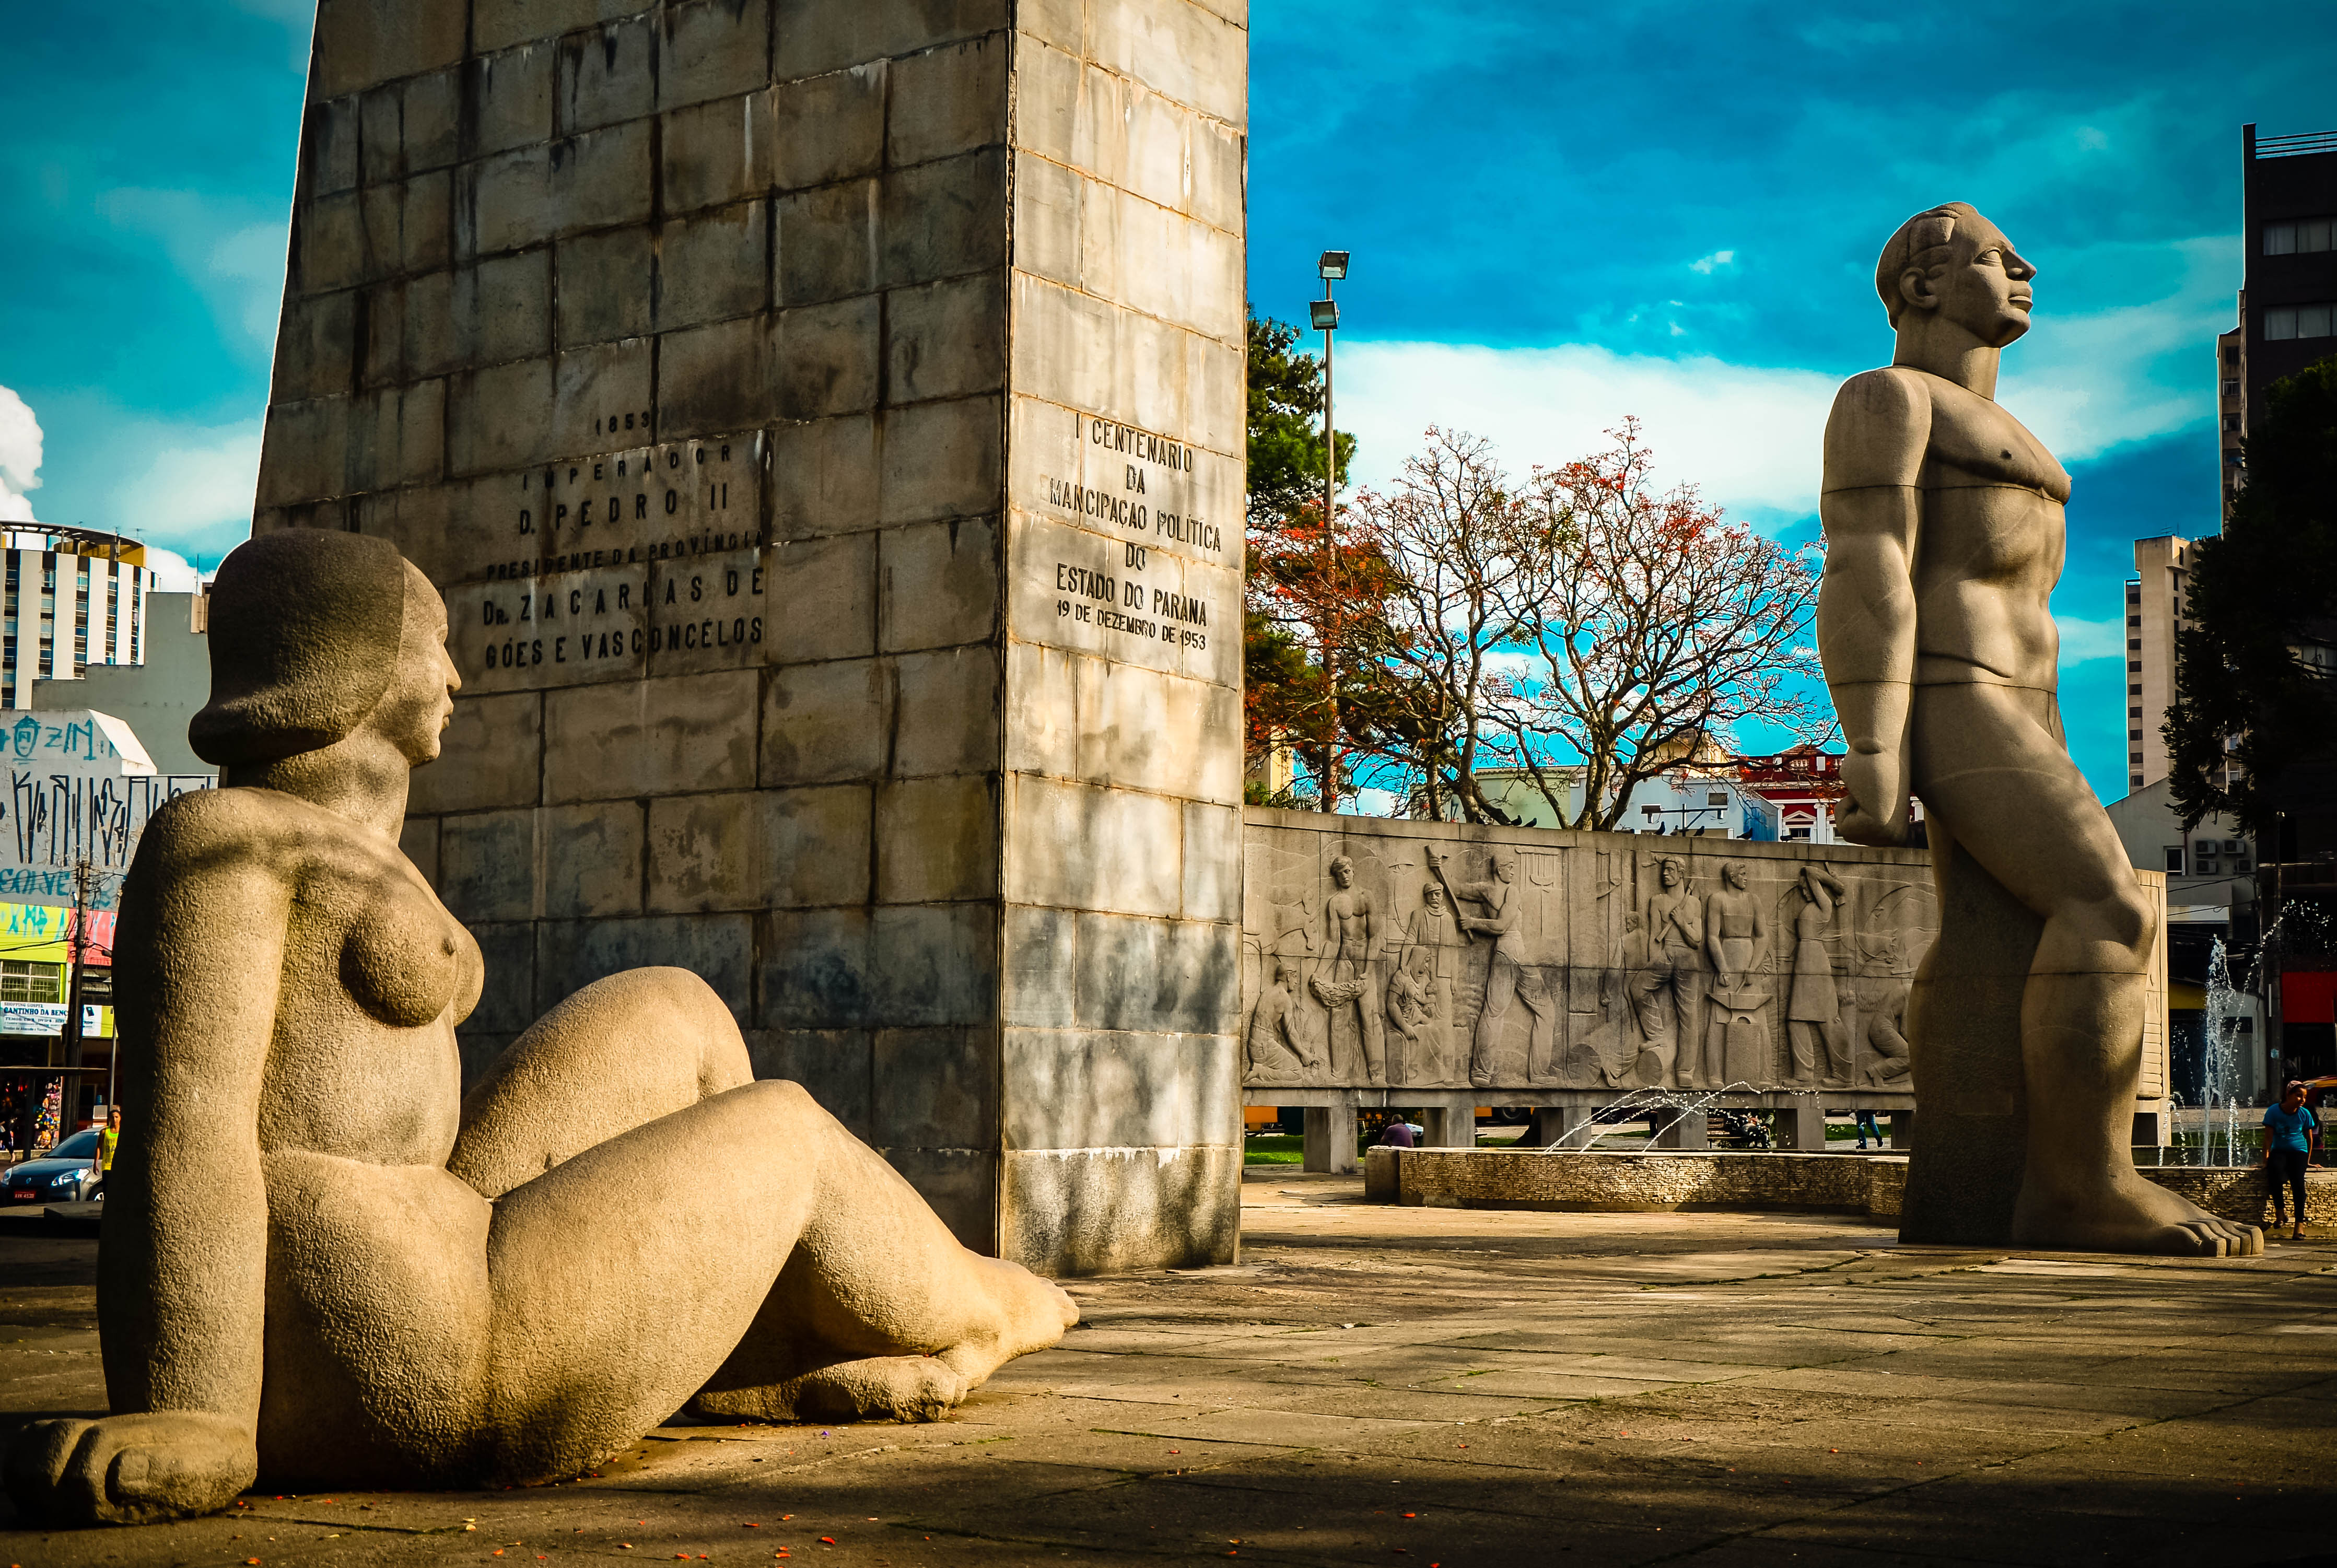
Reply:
x=2174, y=860
x=2134, y=690
x=22, y=980
x=2303, y=237
x=2283, y=322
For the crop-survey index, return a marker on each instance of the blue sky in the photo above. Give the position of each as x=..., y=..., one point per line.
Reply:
x=1560, y=215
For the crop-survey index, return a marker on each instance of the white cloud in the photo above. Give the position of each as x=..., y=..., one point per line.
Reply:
x=20, y=457
x=1751, y=436
x=2085, y=640
x=235, y=261
x=2087, y=383
x=298, y=18
x=1713, y=263
x=1748, y=436
x=252, y=261
x=197, y=483
x=173, y=573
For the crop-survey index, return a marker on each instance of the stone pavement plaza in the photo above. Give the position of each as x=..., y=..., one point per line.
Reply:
x=1445, y=1388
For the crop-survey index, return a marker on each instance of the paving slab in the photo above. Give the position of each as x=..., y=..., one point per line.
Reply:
x=1447, y=1386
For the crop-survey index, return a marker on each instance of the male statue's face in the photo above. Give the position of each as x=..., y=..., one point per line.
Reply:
x=1435, y=897
x=1670, y=874
x=1735, y=875
x=1985, y=290
x=1342, y=873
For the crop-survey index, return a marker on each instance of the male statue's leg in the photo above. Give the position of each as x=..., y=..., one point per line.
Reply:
x=1987, y=764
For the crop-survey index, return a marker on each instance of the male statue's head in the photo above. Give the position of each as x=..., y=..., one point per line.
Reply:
x=1343, y=871
x=321, y=638
x=1432, y=895
x=1670, y=872
x=1950, y=272
x=1736, y=875
x=1505, y=866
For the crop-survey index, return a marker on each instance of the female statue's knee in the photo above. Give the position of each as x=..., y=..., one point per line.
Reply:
x=2127, y=918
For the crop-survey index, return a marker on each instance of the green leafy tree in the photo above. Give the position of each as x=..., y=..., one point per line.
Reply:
x=1286, y=427
x=1294, y=598
x=2257, y=668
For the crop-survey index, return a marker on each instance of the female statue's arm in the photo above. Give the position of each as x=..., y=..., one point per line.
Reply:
x=182, y=1267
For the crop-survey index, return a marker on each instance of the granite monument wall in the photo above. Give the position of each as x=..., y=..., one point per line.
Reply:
x=1582, y=966
x=825, y=419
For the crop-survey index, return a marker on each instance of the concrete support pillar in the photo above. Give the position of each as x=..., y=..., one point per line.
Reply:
x=1680, y=1130
x=1556, y=1123
x=1802, y=1125
x=1331, y=1140
x=1447, y=1126
x=1903, y=1128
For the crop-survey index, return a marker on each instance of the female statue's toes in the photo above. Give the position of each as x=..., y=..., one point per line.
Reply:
x=881, y=1388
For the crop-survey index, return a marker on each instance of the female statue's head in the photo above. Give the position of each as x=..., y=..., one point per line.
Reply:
x=315, y=634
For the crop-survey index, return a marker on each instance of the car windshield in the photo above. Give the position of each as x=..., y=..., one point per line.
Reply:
x=80, y=1146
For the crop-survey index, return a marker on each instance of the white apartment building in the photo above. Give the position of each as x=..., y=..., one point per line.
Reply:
x=2153, y=614
x=70, y=598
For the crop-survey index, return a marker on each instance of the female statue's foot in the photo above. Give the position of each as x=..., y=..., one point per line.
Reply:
x=133, y=1469
x=2125, y=1213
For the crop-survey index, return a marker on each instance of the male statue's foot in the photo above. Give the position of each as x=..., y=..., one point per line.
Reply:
x=2122, y=1212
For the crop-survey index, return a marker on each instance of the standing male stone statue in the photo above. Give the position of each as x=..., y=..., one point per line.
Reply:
x=1943, y=523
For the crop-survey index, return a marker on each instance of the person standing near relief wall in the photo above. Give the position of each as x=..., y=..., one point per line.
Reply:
x=1945, y=536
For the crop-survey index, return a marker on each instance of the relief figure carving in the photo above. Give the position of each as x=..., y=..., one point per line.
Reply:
x=1505, y=976
x=1669, y=996
x=1737, y=940
x=1279, y=1051
x=1351, y=929
x=1814, y=1015
x=1434, y=938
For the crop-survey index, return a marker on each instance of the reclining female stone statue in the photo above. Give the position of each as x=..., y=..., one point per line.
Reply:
x=323, y=1264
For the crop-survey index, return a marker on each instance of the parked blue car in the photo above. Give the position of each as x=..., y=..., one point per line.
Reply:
x=65, y=1174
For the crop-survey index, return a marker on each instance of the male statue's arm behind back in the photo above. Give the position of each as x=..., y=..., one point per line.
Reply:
x=1871, y=511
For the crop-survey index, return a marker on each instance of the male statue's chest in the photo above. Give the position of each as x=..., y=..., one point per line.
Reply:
x=1974, y=442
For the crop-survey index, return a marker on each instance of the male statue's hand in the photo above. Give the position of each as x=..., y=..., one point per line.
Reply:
x=129, y=1469
x=1874, y=799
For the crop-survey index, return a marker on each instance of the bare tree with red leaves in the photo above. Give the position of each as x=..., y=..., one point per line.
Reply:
x=1581, y=628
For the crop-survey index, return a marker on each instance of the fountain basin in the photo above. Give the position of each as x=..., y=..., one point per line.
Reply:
x=1662, y=1180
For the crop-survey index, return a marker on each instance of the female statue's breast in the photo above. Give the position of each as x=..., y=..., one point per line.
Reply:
x=402, y=958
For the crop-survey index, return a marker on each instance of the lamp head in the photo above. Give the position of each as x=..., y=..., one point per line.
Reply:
x=1322, y=314
x=1334, y=266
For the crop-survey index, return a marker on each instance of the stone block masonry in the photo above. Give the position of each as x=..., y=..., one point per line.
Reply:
x=825, y=421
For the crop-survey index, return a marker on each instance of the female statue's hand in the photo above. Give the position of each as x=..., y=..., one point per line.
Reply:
x=129, y=1469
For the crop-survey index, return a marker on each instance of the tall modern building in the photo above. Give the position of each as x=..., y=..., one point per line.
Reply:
x=2153, y=614
x=72, y=598
x=2288, y=301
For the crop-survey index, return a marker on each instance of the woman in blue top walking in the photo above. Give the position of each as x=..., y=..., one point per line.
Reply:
x=2289, y=1127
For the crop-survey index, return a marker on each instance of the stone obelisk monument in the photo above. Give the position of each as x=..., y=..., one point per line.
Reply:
x=825, y=421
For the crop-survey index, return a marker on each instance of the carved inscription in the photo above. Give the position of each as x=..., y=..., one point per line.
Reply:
x=678, y=499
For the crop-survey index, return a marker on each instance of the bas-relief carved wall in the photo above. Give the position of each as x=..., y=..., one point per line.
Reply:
x=1411, y=955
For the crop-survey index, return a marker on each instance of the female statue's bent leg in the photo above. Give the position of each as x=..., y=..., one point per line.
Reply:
x=814, y=1280
x=620, y=1053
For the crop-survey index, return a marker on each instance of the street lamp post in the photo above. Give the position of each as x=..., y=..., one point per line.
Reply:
x=1325, y=315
